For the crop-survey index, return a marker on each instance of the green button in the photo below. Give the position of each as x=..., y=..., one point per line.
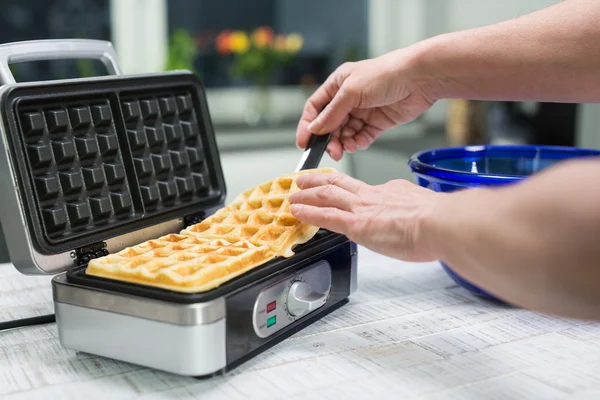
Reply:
x=271, y=321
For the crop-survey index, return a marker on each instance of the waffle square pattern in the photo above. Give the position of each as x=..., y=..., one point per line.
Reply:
x=252, y=230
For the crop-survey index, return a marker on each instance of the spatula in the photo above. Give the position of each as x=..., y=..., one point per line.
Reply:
x=314, y=152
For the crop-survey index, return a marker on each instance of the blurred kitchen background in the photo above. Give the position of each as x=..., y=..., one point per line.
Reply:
x=261, y=59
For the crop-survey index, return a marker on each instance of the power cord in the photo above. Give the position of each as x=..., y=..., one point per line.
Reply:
x=23, y=322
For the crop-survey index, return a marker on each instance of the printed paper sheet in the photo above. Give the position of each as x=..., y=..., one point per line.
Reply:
x=409, y=332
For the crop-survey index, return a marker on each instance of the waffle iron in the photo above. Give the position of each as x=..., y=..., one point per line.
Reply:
x=90, y=166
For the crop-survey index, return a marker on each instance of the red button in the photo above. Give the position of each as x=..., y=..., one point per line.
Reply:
x=271, y=306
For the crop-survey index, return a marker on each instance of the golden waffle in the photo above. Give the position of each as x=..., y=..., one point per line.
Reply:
x=255, y=228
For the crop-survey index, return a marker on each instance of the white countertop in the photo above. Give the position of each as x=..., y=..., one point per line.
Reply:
x=408, y=332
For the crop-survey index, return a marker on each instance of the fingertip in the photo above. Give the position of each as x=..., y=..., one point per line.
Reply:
x=303, y=213
x=349, y=145
x=316, y=126
x=336, y=155
x=329, y=147
x=329, y=218
x=296, y=209
x=299, y=182
x=335, y=149
x=302, y=134
x=301, y=141
x=362, y=142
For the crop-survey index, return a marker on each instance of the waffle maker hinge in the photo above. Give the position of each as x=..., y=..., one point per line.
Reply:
x=85, y=254
x=194, y=218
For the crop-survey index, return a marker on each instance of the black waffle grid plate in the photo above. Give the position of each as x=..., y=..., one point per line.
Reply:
x=164, y=138
x=102, y=157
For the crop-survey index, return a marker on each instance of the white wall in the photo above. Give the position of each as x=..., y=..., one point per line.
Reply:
x=465, y=14
x=139, y=34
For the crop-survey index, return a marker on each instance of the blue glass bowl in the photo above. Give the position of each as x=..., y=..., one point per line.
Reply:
x=456, y=168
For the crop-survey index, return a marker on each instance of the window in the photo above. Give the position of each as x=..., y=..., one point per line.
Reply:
x=55, y=19
x=333, y=31
x=147, y=34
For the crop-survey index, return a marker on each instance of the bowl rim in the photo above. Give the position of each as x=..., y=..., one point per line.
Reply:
x=419, y=167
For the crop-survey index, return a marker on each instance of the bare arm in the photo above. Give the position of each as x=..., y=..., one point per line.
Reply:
x=549, y=55
x=536, y=244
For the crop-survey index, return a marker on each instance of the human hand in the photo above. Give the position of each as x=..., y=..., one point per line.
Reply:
x=387, y=219
x=361, y=100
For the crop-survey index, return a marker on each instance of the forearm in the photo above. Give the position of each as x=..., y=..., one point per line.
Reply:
x=535, y=244
x=550, y=55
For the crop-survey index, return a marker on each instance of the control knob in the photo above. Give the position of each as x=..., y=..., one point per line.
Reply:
x=302, y=299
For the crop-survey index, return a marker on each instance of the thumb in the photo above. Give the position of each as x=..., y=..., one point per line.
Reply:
x=334, y=114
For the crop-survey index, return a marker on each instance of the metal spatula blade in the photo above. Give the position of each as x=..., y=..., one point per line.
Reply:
x=314, y=152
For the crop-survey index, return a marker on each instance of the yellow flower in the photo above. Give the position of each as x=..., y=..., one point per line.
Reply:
x=294, y=43
x=239, y=42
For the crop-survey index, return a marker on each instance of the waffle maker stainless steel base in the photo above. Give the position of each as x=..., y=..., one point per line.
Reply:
x=91, y=166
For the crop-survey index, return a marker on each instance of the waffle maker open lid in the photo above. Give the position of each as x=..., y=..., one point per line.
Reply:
x=90, y=166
